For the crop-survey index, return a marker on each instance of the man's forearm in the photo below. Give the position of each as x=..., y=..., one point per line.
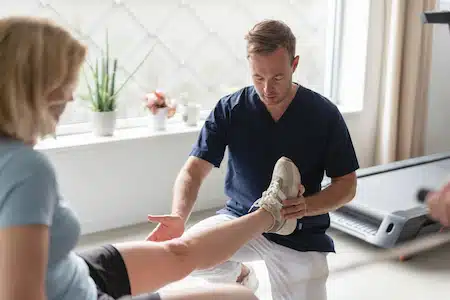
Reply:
x=331, y=198
x=184, y=194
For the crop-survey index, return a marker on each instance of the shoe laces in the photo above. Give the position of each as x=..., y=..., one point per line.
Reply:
x=270, y=198
x=271, y=194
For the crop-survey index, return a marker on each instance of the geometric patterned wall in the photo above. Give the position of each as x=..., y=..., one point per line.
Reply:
x=190, y=47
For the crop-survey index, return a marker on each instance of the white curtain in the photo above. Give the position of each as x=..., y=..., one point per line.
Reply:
x=404, y=80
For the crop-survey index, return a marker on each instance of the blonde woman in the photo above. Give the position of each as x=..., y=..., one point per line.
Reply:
x=40, y=64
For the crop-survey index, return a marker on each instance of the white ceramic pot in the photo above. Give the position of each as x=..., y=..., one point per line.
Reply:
x=104, y=123
x=192, y=114
x=159, y=120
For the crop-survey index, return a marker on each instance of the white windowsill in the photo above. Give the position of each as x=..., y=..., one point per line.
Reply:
x=125, y=134
x=348, y=110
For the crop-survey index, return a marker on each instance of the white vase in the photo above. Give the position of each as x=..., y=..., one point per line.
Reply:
x=192, y=114
x=159, y=120
x=104, y=123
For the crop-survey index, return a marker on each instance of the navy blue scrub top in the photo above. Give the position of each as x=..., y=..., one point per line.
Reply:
x=311, y=132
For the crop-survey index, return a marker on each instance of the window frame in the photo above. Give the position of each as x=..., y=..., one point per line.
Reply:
x=331, y=78
x=334, y=46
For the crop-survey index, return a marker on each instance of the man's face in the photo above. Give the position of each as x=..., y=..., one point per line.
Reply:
x=272, y=75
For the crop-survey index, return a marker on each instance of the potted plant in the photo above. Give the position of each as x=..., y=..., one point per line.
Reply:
x=103, y=93
x=160, y=107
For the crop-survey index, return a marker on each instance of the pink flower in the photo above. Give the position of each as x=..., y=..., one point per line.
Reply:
x=158, y=99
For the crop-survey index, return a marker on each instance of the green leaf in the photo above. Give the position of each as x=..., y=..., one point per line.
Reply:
x=97, y=83
x=113, y=81
x=90, y=97
x=107, y=63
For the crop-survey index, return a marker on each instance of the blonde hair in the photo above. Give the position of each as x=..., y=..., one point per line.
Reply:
x=36, y=57
x=269, y=35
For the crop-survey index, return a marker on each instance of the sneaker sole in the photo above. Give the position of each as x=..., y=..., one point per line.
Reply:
x=290, y=225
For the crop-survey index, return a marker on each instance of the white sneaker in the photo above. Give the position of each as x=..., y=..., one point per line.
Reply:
x=284, y=185
x=250, y=281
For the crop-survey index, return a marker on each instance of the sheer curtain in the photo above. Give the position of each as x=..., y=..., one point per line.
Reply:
x=404, y=80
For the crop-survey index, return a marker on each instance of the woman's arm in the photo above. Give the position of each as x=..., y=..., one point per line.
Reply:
x=23, y=262
x=28, y=200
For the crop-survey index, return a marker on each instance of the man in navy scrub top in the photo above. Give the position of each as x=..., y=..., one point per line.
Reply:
x=274, y=117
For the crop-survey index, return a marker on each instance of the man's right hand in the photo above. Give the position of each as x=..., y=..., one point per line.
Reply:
x=169, y=227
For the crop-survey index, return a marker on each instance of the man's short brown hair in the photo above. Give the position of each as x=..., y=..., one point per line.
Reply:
x=269, y=35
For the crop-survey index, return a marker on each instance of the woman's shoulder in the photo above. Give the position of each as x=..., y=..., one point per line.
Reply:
x=28, y=189
x=19, y=162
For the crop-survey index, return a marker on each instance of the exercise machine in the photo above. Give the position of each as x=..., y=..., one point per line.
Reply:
x=386, y=210
x=388, y=207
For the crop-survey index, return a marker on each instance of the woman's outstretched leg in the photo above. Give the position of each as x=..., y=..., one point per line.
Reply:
x=152, y=265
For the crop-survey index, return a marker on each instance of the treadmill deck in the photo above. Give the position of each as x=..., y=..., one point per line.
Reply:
x=385, y=210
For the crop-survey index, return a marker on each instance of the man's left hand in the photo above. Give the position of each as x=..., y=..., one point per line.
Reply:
x=295, y=208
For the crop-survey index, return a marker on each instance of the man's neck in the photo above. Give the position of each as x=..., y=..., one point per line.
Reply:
x=278, y=110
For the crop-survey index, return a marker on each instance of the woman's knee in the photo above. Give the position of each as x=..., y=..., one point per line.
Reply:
x=178, y=247
x=181, y=253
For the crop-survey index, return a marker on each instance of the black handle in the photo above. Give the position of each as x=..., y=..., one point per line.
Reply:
x=436, y=17
x=422, y=194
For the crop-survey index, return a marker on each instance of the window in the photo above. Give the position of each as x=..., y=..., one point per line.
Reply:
x=194, y=48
